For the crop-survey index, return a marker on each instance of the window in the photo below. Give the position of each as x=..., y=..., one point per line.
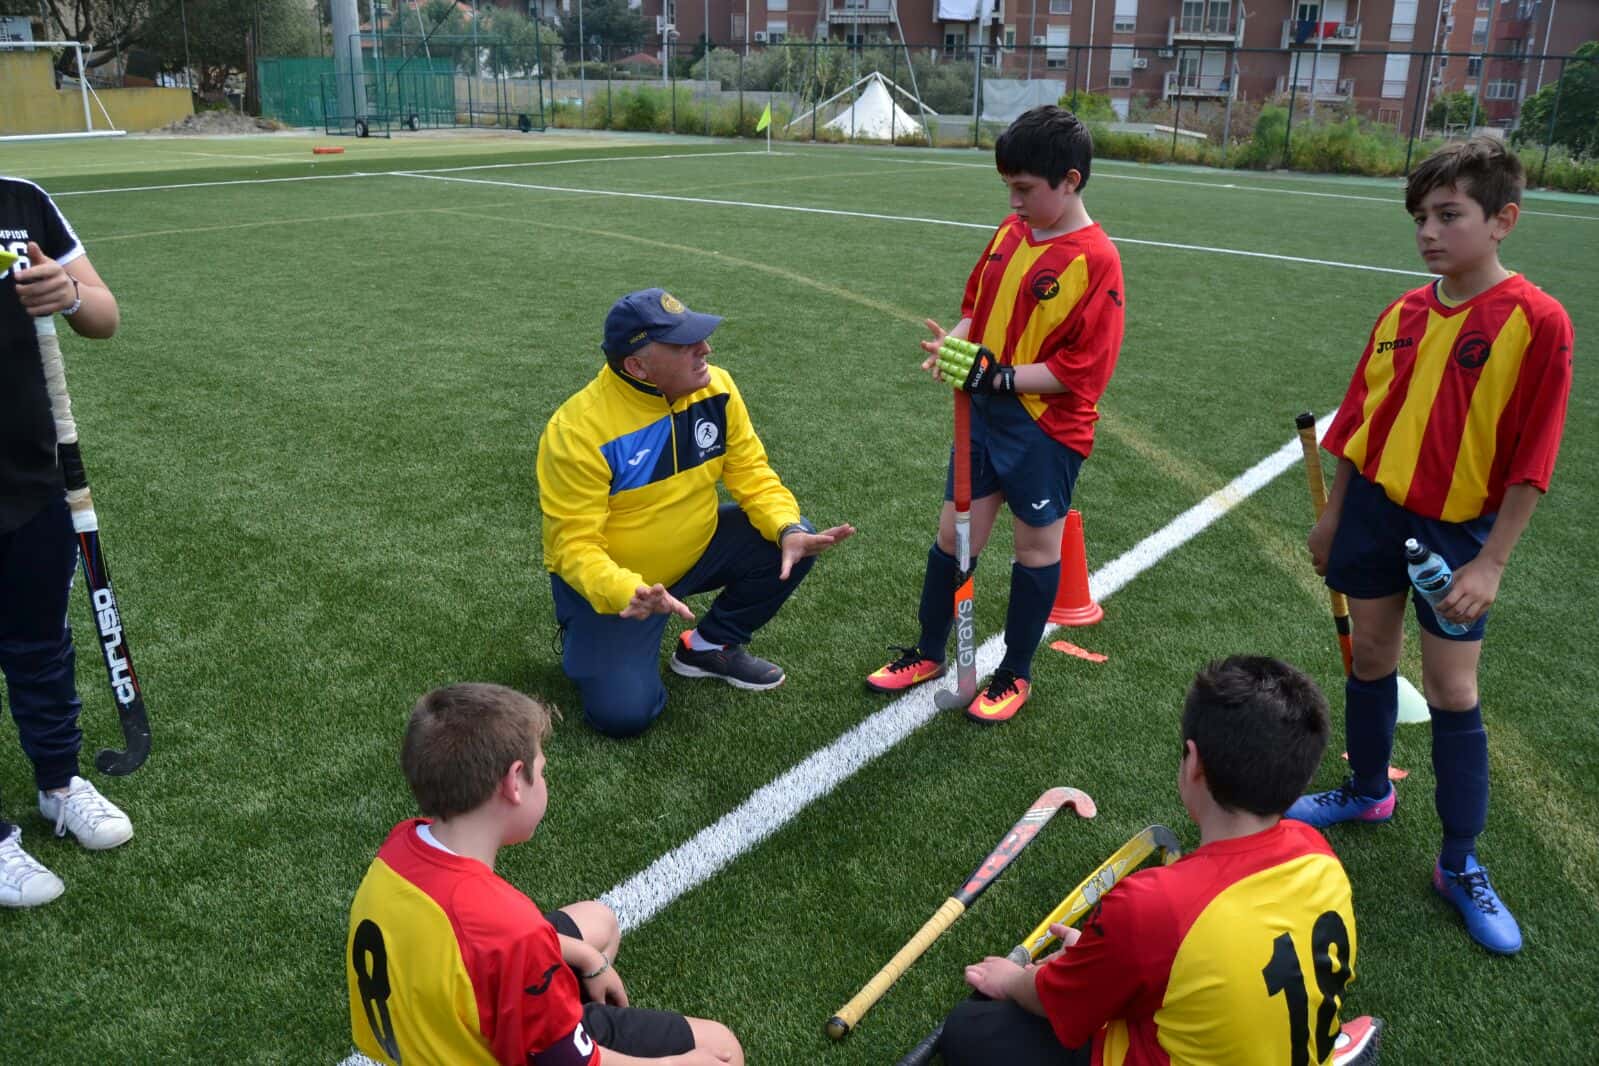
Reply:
x=1060, y=7
x=1126, y=18
x=1010, y=36
x=1395, y=73
x=737, y=27
x=1121, y=67
x=854, y=39
x=1404, y=25
x=776, y=29
x=1501, y=90
x=954, y=44
x=1479, y=32
x=1308, y=13
x=1474, y=67
x=776, y=5
x=1204, y=16
x=1058, y=38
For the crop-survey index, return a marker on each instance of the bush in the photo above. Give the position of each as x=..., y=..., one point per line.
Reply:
x=1090, y=107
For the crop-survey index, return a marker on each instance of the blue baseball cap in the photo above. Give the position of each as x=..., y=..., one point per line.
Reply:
x=653, y=315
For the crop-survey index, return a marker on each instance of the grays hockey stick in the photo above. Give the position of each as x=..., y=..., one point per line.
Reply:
x=965, y=612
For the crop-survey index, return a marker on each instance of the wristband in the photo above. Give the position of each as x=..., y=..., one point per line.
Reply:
x=77, y=298
x=605, y=964
x=792, y=527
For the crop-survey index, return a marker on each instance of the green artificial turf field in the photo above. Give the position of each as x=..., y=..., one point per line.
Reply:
x=312, y=449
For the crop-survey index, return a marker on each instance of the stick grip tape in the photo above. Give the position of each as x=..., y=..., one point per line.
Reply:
x=850, y=1013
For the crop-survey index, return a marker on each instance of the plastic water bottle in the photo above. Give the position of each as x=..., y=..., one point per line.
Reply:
x=1433, y=579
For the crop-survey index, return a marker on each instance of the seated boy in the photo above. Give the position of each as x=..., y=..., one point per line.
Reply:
x=1448, y=434
x=448, y=963
x=1238, y=953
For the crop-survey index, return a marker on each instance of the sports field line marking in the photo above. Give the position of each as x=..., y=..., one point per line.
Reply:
x=393, y=173
x=698, y=859
x=986, y=227
x=690, y=864
x=1114, y=175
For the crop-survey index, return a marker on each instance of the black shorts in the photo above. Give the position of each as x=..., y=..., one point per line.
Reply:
x=981, y=1031
x=646, y=1034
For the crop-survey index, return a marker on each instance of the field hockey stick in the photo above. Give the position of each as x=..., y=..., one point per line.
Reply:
x=1305, y=422
x=1070, y=910
x=1020, y=835
x=102, y=598
x=965, y=612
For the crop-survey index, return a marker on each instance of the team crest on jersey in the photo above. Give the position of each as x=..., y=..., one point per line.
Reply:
x=1045, y=285
x=671, y=304
x=705, y=434
x=1473, y=350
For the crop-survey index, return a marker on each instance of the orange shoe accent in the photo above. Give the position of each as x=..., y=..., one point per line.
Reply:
x=1074, y=604
x=999, y=705
x=904, y=672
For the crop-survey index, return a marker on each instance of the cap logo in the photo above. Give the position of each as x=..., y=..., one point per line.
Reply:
x=671, y=304
x=639, y=336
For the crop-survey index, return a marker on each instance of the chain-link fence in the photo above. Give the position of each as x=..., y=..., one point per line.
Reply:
x=1334, y=107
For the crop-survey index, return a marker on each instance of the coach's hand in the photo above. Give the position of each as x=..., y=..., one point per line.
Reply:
x=654, y=599
x=798, y=544
x=45, y=287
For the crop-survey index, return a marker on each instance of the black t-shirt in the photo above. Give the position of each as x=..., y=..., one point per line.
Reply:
x=29, y=475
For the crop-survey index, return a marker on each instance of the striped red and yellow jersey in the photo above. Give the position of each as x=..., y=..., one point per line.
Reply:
x=447, y=962
x=1235, y=955
x=1056, y=302
x=1451, y=404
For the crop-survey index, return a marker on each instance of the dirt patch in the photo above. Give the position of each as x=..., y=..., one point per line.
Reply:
x=212, y=123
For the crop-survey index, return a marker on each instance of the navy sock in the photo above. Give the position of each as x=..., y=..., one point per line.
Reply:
x=1460, y=763
x=937, y=611
x=1032, y=594
x=1371, y=708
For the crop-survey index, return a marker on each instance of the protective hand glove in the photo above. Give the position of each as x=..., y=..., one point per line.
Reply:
x=974, y=368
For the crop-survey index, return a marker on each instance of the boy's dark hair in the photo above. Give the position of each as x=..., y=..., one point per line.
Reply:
x=1260, y=727
x=461, y=739
x=1482, y=168
x=1047, y=141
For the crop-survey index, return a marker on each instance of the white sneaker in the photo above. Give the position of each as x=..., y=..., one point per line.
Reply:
x=23, y=881
x=94, y=820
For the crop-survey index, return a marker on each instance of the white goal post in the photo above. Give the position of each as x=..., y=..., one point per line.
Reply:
x=85, y=91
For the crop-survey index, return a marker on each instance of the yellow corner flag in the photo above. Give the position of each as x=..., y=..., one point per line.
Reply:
x=765, y=120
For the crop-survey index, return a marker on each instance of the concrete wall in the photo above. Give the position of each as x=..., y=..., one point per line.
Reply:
x=34, y=105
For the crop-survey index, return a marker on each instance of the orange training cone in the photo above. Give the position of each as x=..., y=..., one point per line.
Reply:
x=1074, y=605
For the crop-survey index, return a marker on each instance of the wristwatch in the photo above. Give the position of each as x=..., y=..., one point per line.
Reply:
x=77, y=298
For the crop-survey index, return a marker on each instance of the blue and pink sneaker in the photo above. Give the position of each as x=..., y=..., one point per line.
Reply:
x=1488, y=921
x=1343, y=804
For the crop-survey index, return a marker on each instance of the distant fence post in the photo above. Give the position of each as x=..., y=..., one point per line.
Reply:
x=1293, y=96
x=1554, y=112
x=1415, y=109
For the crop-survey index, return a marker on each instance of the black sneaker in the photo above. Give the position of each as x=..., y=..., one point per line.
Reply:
x=731, y=663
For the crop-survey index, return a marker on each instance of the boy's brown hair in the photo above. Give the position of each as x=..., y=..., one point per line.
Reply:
x=461, y=739
x=1482, y=168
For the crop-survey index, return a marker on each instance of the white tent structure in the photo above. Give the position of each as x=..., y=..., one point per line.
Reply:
x=874, y=116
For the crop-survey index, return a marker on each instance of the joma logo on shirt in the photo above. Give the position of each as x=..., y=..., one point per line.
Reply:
x=1383, y=347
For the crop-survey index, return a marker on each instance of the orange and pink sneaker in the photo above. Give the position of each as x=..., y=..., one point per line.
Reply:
x=910, y=669
x=1000, y=701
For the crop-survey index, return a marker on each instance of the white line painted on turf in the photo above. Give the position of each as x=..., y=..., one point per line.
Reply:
x=986, y=227
x=768, y=808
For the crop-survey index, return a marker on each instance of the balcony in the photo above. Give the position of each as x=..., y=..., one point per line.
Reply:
x=1202, y=28
x=1307, y=33
x=1328, y=89
x=856, y=12
x=988, y=11
x=1217, y=86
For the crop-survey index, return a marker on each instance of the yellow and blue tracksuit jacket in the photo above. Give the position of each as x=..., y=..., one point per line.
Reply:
x=627, y=483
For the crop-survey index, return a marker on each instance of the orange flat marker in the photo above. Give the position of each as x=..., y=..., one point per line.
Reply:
x=327, y=150
x=1082, y=653
x=1394, y=772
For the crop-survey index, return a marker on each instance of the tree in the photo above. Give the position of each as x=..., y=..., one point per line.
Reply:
x=219, y=34
x=611, y=23
x=108, y=26
x=1451, y=109
x=1577, y=122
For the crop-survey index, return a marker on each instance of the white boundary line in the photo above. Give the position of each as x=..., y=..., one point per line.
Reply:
x=987, y=227
x=642, y=896
x=698, y=859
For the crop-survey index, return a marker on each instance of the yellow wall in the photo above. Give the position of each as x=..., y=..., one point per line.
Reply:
x=30, y=102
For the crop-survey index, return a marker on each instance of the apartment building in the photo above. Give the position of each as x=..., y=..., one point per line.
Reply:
x=1503, y=42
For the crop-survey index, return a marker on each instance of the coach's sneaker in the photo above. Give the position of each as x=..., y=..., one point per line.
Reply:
x=1343, y=804
x=730, y=663
x=94, y=820
x=24, y=882
x=1000, y=701
x=1487, y=920
x=911, y=668
x=1357, y=1042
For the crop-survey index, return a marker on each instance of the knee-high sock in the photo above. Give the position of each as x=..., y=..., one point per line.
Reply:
x=937, y=612
x=1460, y=762
x=1032, y=593
x=1370, y=710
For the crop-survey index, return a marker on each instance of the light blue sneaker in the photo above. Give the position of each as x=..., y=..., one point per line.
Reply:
x=1488, y=921
x=1343, y=804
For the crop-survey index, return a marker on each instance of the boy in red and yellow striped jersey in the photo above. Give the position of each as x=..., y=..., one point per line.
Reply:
x=1448, y=434
x=1046, y=296
x=447, y=962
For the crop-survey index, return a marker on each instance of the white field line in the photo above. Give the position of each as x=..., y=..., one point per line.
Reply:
x=698, y=859
x=393, y=173
x=986, y=227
